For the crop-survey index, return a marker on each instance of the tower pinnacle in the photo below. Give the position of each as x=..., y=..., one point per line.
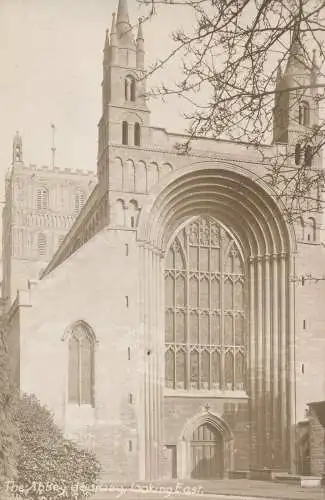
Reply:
x=122, y=19
x=17, y=150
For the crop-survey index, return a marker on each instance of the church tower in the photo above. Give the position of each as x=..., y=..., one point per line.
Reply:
x=295, y=112
x=125, y=116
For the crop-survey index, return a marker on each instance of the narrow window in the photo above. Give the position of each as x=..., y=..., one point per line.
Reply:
x=81, y=367
x=130, y=445
x=126, y=249
x=126, y=88
x=132, y=221
x=125, y=132
x=303, y=368
x=131, y=398
x=79, y=201
x=126, y=300
x=304, y=324
x=42, y=199
x=42, y=244
x=129, y=353
x=303, y=281
x=308, y=155
x=297, y=154
x=137, y=134
x=132, y=89
x=304, y=113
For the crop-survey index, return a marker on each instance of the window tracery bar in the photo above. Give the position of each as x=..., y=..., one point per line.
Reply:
x=205, y=309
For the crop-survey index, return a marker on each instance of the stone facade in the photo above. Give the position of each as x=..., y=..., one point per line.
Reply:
x=108, y=278
x=41, y=204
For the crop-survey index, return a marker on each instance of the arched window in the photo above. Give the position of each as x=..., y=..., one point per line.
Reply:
x=297, y=154
x=137, y=134
x=132, y=89
x=125, y=133
x=304, y=113
x=308, y=155
x=42, y=199
x=310, y=229
x=205, y=338
x=42, y=244
x=129, y=88
x=79, y=201
x=81, y=366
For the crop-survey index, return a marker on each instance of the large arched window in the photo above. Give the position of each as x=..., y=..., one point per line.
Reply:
x=81, y=366
x=137, y=134
x=205, y=310
x=125, y=133
x=42, y=199
x=304, y=113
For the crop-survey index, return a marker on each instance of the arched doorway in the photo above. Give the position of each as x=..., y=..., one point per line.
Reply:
x=206, y=453
x=237, y=201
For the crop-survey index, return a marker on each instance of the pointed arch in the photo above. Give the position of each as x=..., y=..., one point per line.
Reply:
x=81, y=363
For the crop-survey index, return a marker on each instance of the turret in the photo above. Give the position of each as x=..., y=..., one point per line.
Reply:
x=140, y=47
x=17, y=149
x=295, y=110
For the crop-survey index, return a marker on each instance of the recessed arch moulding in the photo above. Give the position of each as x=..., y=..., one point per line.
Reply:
x=248, y=208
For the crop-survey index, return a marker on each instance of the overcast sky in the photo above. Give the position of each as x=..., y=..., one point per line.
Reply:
x=51, y=69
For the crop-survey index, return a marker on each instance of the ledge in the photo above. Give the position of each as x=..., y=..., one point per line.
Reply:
x=176, y=393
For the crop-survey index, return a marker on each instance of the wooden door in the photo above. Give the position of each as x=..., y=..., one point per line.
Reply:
x=207, y=453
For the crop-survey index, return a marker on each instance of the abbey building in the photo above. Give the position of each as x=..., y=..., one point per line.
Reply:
x=162, y=311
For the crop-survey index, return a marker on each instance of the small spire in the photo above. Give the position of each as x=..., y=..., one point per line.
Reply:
x=296, y=46
x=279, y=73
x=122, y=13
x=106, y=46
x=314, y=68
x=113, y=31
x=314, y=60
x=140, y=32
x=17, y=152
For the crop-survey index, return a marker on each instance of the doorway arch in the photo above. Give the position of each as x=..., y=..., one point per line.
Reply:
x=206, y=453
x=205, y=449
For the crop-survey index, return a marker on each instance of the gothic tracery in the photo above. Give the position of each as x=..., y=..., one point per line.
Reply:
x=204, y=310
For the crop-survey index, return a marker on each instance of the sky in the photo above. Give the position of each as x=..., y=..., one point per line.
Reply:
x=51, y=58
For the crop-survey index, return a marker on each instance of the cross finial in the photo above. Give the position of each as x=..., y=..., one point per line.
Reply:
x=207, y=407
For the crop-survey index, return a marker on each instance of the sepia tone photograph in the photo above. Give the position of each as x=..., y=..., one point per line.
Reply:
x=162, y=278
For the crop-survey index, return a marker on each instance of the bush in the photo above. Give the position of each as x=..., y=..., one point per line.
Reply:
x=49, y=465
x=8, y=430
